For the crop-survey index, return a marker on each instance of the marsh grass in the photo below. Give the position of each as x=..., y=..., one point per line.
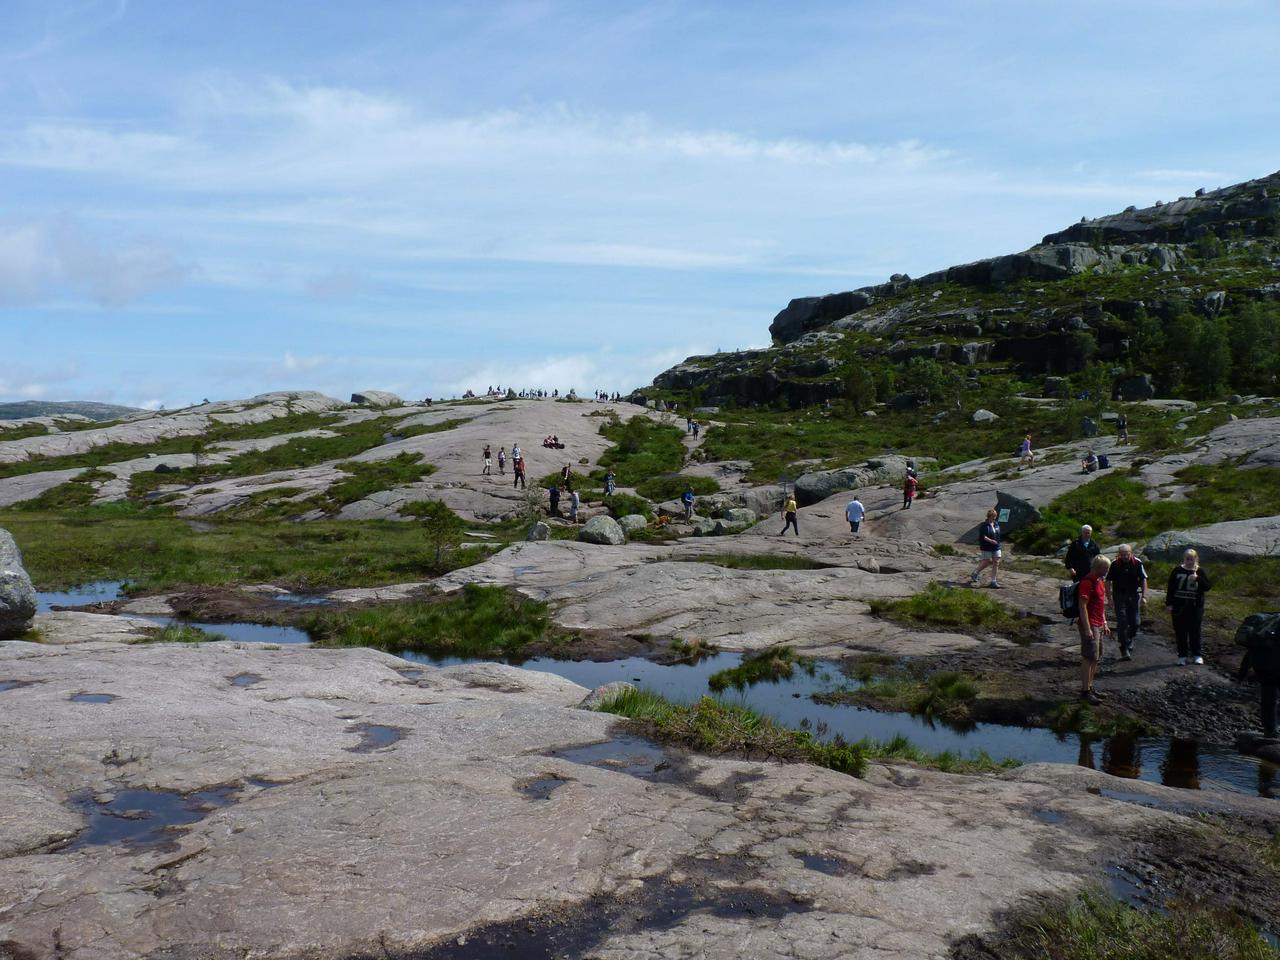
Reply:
x=960, y=609
x=1096, y=926
x=178, y=633
x=771, y=665
x=477, y=621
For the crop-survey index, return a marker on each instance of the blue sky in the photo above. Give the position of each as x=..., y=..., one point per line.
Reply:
x=204, y=199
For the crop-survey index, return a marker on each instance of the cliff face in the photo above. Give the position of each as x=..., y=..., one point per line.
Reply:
x=1081, y=293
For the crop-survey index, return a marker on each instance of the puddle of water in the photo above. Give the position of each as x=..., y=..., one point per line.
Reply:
x=629, y=755
x=375, y=736
x=303, y=599
x=144, y=818
x=93, y=698
x=1178, y=763
x=14, y=684
x=541, y=788
x=102, y=591
x=242, y=632
x=410, y=673
x=245, y=679
x=831, y=866
x=1048, y=816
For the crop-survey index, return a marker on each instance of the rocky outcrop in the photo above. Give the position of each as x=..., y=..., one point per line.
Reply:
x=376, y=398
x=632, y=522
x=1229, y=542
x=17, y=595
x=602, y=530
x=538, y=531
x=814, y=487
x=1021, y=513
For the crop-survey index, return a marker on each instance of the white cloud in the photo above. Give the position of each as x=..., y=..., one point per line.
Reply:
x=295, y=364
x=41, y=258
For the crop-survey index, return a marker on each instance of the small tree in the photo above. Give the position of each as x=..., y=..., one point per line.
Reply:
x=442, y=527
x=197, y=450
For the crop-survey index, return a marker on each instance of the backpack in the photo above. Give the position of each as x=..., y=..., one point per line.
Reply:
x=1069, y=600
x=1104, y=462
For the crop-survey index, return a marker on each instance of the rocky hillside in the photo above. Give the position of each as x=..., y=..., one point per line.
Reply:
x=1180, y=299
x=70, y=409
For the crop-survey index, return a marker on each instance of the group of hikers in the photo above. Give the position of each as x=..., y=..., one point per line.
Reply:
x=517, y=464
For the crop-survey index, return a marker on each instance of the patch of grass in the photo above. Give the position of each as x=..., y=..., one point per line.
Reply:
x=32, y=635
x=477, y=621
x=22, y=433
x=672, y=487
x=947, y=696
x=64, y=496
x=369, y=477
x=178, y=633
x=157, y=551
x=958, y=609
x=623, y=504
x=948, y=761
x=757, y=561
x=1075, y=717
x=772, y=664
x=642, y=449
x=710, y=726
x=1096, y=926
x=689, y=651
x=945, y=549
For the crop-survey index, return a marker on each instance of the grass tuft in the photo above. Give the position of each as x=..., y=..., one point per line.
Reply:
x=772, y=665
x=958, y=609
x=178, y=633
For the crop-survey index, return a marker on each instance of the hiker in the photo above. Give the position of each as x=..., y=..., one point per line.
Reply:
x=515, y=453
x=1090, y=463
x=1127, y=591
x=1185, y=599
x=854, y=513
x=1026, y=458
x=1260, y=635
x=488, y=462
x=566, y=477
x=696, y=427
x=688, y=424
x=517, y=466
x=610, y=484
x=989, y=544
x=1122, y=428
x=1081, y=553
x=574, y=503
x=789, y=513
x=1092, y=600
x=909, y=486
x=686, y=498
x=554, y=492
x=502, y=461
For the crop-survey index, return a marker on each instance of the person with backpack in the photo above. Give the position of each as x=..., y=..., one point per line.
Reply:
x=610, y=484
x=1127, y=591
x=554, y=493
x=1260, y=635
x=989, y=544
x=1080, y=554
x=1122, y=428
x=1092, y=599
x=854, y=513
x=1188, y=584
x=789, y=515
x=909, y=485
x=517, y=466
x=686, y=499
x=1026, y=457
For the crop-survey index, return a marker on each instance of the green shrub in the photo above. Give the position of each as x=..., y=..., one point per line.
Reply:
x=659, y=489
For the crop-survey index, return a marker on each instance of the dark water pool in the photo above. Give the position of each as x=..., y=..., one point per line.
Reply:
x=103, y=591
x=1174, y=762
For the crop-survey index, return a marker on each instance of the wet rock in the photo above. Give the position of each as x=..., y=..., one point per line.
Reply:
x=605, y=692
x=17, y=595
x=538, y=531
x=376, y=398
x=604, y=531
x=632, y=522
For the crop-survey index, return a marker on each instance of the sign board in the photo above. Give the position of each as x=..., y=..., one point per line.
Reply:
x=1003, y=516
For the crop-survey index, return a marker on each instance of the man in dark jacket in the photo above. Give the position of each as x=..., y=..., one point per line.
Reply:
x=1081, y=553
x=1260, y=635
x=1127, y=586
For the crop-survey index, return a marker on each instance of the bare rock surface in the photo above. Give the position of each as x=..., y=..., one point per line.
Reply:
x=345, y=802
x=1230, y=541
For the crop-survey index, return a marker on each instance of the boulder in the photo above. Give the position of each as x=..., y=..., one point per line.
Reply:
x=1136, y=386
x=376, y=398
x=740, y=515
x=604, y=531
x=984, y=416
x=632, y=522
x=817, y=486
x=605, y=692
x=704, y=528
x=1055, y=387
x=1229, y=542
x=1188, y=405
x=1021, y=513
x=17, y=594
x=538, y=531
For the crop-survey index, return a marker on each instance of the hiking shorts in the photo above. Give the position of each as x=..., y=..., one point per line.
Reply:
x=991, y=554
x=1091, y=648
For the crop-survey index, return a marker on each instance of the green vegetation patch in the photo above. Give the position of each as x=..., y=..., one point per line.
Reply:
x=157, y=551
x=757, y=561
x=477, y=621
x=772, y=664
x=958, y=609
x=624, y=504
x=178, y=633
x=1076, y=717
x=673, y=487
x=1096, y=926
x=642, y=449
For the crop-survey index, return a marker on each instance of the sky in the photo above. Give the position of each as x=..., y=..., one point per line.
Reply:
x=219, y=199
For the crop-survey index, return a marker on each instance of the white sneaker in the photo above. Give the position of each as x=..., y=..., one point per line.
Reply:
x=1182, y=661
x=1198, y=661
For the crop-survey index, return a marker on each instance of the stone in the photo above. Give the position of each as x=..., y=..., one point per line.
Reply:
x=1231, y=541
x=1021, y=513
x=538, y=531
x=17, y=594
x=605, y=692
x=1055, y=387
x=1136, y=386
x=740, y=515
x=376, y=398
x=816, y=486
x=632, y=522
x=1173, y=405
x=602, y=530
x=984, y=416
x=704, y=528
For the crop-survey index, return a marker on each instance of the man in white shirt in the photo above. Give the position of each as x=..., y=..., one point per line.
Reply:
x=854, y=513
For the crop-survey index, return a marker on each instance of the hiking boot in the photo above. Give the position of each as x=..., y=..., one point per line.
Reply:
x=1182, y=661
x=1088, y=696
x=1198, y=661
x=994, y=584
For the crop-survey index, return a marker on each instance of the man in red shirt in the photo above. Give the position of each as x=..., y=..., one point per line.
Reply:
x=1092, y=599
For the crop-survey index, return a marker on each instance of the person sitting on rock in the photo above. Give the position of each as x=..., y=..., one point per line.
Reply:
x=1080, y=554
x=1090, y=463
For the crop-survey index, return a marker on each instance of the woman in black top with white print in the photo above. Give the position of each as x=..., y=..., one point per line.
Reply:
x=1188, y=584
